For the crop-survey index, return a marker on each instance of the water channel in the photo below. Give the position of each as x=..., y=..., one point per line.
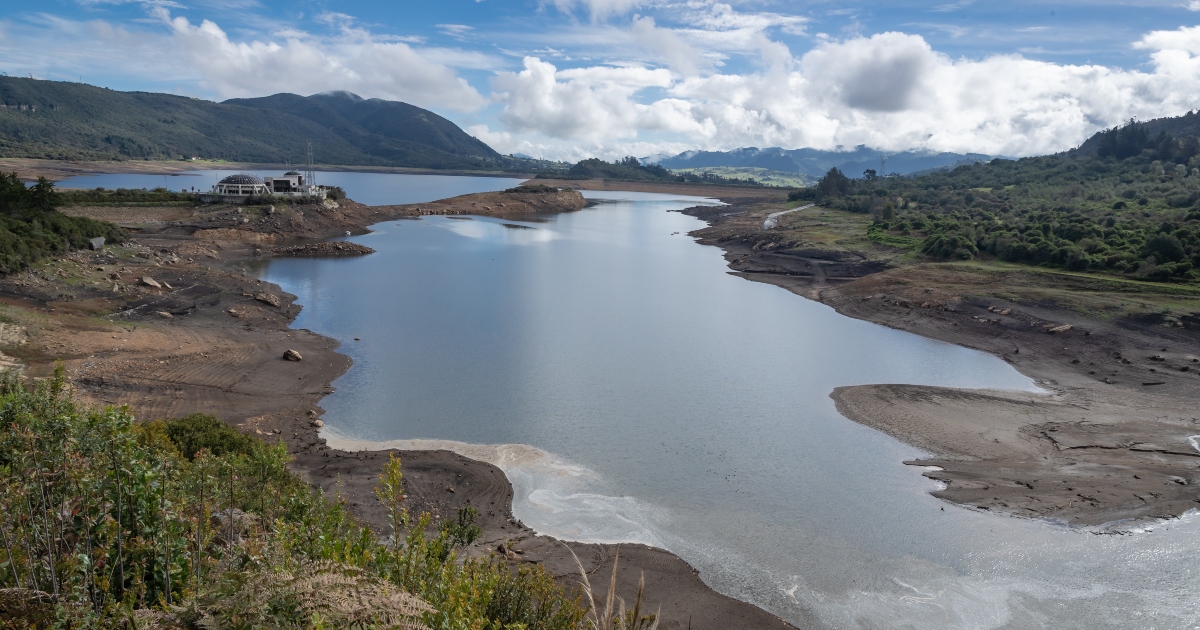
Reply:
x=633, y=390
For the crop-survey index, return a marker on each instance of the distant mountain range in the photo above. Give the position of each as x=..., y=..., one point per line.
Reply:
x=815, y=163
x=61, y=120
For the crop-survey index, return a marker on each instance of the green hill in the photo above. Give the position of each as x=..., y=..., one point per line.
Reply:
x=1132, y=137
x=388, y=129
x=631, y=169
x=1127, y=203
x=60, y=120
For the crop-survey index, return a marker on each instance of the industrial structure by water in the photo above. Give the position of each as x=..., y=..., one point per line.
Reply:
x=241, y=186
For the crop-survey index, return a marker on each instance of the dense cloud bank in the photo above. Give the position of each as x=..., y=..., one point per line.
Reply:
x=655, y=89
x=890, y=91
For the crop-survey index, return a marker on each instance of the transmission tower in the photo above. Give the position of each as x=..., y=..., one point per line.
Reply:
x=883, y=165
x=310, y=175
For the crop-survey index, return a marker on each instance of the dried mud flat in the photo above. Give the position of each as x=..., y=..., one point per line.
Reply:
x=1108, y=444
x=210, y=339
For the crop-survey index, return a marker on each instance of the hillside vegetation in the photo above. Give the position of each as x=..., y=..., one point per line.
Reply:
x=397, y=132
x=812, y=163
x=31, y=229
x=188, y=523
x=1130, y=205
x=60, y=120
x=631, y=169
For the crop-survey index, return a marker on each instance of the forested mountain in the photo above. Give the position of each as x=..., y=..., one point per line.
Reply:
x=815, y=162
x=1135, y=134
x=61, y=120
x=389, y=129
x=631, y=169
x=1127, y=202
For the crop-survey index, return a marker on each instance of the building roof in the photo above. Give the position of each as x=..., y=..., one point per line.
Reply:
x=242, y=178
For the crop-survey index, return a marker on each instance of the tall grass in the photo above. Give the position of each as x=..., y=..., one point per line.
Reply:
x=108, y=522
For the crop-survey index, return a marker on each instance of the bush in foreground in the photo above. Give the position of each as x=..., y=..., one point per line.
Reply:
x=108, y=522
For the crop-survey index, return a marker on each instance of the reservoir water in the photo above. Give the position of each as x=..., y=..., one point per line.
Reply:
x=373, y=189
x=633, y=390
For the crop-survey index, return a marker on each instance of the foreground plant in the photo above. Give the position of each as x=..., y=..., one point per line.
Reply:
x=187, y=523
x=614, y=615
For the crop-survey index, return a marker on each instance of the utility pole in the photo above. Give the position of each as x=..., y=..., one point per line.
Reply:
x=310, y=175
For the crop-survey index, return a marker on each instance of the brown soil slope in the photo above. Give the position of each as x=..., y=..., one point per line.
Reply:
x=1122, y=361
x=209, y=339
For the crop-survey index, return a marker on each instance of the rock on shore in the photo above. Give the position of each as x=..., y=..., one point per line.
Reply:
x=334, y=248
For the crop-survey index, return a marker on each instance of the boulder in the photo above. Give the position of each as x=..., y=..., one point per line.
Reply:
x=292, y=355
x=150, y=282
x=96, y=243
x=267, y=298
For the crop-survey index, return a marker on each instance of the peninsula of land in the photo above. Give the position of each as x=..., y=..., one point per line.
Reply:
x=170, y=324
x=1113, y=438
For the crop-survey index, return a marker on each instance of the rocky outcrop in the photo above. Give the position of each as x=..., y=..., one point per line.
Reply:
x=321, y=250
x=267, y=298
x=512, y=203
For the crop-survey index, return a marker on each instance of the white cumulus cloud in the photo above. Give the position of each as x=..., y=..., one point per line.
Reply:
x=355, y=62
x=890, y=91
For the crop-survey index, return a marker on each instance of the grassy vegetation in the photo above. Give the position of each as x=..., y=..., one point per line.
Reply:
x=1130, y=208
x=764, y=176
x=1100, y=295
x=122, y=197
x=188, y=523
x=631, y=169
x=31, y=229
x=71, y=121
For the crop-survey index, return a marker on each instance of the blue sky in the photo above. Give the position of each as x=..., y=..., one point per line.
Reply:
x=572, y=78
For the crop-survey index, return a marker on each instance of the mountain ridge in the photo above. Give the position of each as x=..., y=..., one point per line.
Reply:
x=63, y=120
x=816, y=162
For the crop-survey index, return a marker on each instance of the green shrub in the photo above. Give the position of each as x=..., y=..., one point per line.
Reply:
x=198, y=431
x=536, y=188
x=31, y=229
x=109, y=522
x=1070, y=211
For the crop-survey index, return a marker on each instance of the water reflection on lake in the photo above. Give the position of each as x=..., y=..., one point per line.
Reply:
x=665, y=401
x=373, y=189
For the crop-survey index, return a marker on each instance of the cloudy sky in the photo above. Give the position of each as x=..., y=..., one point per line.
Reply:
x=565, y=79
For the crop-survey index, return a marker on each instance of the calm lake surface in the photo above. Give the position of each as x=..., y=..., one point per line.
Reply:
x=632, y=390
x=373, y=189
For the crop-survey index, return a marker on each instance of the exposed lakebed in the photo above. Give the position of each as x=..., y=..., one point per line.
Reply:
x=632, y=390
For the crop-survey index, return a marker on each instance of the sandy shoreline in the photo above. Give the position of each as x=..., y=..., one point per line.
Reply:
x=211, y=340
x=1108, y=445
x=213, y=343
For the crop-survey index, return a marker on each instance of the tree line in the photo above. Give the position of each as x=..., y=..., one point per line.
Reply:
x=1131, y=207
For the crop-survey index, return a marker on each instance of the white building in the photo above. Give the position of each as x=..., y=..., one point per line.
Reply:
x=237, y=188
x=240, y=185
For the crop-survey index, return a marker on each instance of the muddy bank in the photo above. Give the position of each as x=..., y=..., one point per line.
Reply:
x=440, y=482
x=1108, y=442
x=1062, y=457
x=209, y=339
x=517, y=203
